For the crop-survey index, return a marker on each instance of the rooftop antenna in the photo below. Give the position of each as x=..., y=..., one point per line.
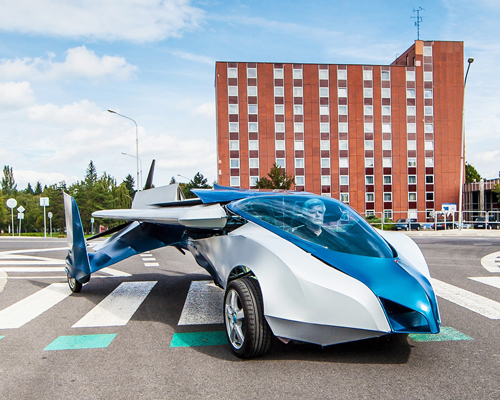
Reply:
x=418, y=20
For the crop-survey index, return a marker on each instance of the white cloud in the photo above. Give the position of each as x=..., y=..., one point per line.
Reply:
x=206, y=109
x=194, y=57
x=130, y=20
x=15, y=95
x=79, y=62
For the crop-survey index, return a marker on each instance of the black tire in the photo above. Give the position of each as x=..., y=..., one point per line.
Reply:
x=247, y=330
x=74, y=285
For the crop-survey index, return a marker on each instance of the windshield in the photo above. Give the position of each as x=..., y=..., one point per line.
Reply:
x=321, y=220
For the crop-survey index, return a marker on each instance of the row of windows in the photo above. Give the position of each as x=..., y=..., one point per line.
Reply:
x=252, y=162
x=412, y=196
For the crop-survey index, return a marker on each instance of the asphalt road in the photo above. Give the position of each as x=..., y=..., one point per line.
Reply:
x=139, y=362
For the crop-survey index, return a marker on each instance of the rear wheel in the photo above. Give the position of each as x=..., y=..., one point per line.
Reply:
x=73, y=284
x=246, y=328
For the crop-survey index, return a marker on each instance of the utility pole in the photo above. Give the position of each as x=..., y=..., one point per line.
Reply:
x=418, y=20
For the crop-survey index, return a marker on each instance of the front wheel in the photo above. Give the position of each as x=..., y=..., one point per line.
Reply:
x=73, y=284
x=246, y=328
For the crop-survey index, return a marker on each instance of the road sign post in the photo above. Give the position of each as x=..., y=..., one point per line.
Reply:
x=20, y=216
x=11, y=203
x=44, y=202
x=50, y=215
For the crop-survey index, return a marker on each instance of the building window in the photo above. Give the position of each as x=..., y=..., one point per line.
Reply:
x=232, y=72
x=279, y=126
x=252, y=91
x=412, y=197
x=368, y=109
x=280, y=162
x=386, y=145
x=234, y=162
x=253, y=145
x=368, y=127
x=412, y=179
x=299, y=180
x=428, y=110
x=428, y=128
x=412, y=145
x=278, y=91
x=298, y=127
x=386, y=93
x=233, y=127
x=252, y=109
x=344, y=179
x=324, y=144
x=324, y=127
x=429, y=179
x=251, y=72
x=253, y=127
x=279, y=109
x=387, y=162
x=234, y=145
x=368, y=92
x=298, y=109
x=429, y=145
x=323, y=74
x=427, y=76
x=342, y=110
x=324, y=110
x=386, y=128
x=278, y=74
x=368, y=144
x=411, y=110
x=235, y=181
x=412, y=162
x=325, y=180
x=325, y=163
x=297, y=74
x=367, y=75
x=411, y=128
x=297, y=92
x=369, y=162
x=387, y=196
x=280, y=145
x=386, y=110
x=342, y=92
x=233, y=108
x=387, y=180
x=370, y=197
x=343, y=127
x=343, y=145
x=388, y=214
x=253, y=162
x=410, y=93
x=429, y=196
x=410, y=75
x=427, y=50
x=299, y=145
x=429, y=162
x=385, y=75
x=341, y=74
x=344, y=197
x=299, y=163
x=232, y=90
x=428, y=93
x=323, y=92
x=343, y=162
x=369, y=179
x=253, y=180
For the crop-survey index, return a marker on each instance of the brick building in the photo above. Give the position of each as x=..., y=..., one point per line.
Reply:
x=383, y=138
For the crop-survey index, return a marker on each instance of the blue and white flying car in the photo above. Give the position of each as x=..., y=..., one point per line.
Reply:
x=294, y=265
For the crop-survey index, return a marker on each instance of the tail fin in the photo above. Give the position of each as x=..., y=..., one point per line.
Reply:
x=77, y=260
x=149, y=181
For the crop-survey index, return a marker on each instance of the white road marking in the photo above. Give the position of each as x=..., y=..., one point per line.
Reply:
x=118, y=307
x=203, y=304
x=479, y=304
x=32, y=306
x=151, y=264
x=489, y=280
x=491, y=262
x=148, y=259
x=29, y=262
x=110, y=272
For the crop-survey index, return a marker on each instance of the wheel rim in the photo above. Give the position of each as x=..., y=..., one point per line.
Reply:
x=71, y=282
x=234, y=316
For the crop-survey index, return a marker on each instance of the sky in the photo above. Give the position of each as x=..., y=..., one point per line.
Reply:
x=63, y=64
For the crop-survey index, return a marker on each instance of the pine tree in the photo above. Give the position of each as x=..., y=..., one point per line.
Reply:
x=278, y=179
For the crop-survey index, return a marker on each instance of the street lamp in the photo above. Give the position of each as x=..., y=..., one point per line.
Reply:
x=140, y=162
x=136, y=143
x=185, y=177
x=462, y=153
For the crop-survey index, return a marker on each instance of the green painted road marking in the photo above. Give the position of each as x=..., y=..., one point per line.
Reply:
x=198, y=339
x=446, y=334
x=81, y=342
x=1, y=337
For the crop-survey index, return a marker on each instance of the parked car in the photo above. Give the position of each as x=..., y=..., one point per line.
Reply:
x=480, y=223
x=441, y=225
x=407, y=224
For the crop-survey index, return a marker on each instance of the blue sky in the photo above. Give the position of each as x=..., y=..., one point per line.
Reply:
x=63, y=64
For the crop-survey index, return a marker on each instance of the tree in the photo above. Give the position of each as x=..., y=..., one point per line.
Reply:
x=278, y=179
x=9, y=186
x=496, y=189
x=129, y=184
x=38, y=188
x=198, y=182
x=172, y=181
x=29, y=189
x=471, y=174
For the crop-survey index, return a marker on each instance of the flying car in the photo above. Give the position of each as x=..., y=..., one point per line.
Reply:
x=293, y=265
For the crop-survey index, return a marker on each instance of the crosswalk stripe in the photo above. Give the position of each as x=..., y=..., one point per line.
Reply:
x=489, y=280
x=151, y=264
x=32, y=306
x=479, y=304
x=203, y=304
x=118, y=307
x=490, y=262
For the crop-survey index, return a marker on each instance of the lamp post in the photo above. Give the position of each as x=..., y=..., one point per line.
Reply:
x=462, y=153
x=140, y=162
x=136, y=143
x=185, y=177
